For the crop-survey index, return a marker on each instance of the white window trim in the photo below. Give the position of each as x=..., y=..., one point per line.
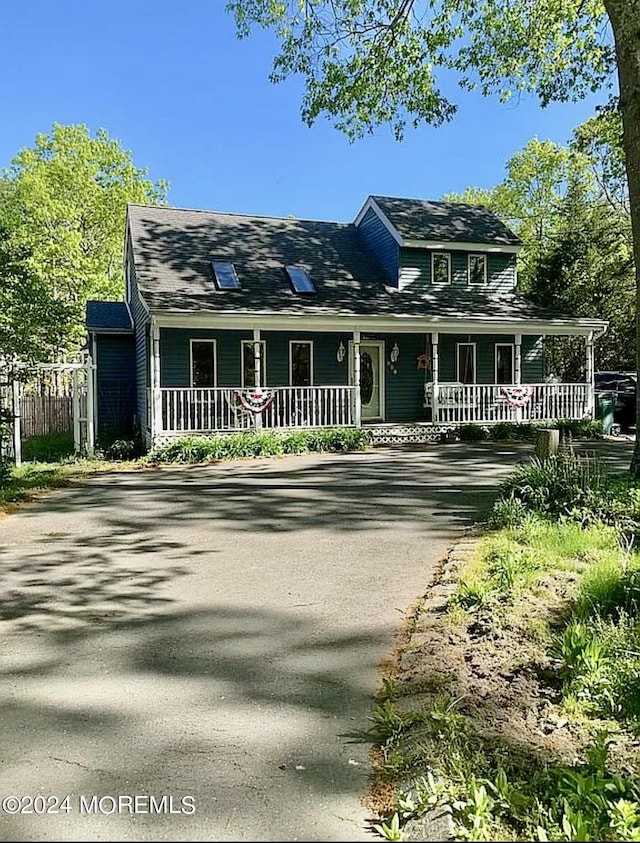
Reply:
x=510, y=345
x=486, y=269
x=263, y=361
x=215, y=363
x=300, y=342
x=435, y=255
x=475, y=361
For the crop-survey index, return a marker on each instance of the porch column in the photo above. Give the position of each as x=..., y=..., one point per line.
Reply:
x=257, y=368
x=435, y=366
x=517, y=370
x=589, y=376
x=517, y=364
x=357, y=398
x=156, y=395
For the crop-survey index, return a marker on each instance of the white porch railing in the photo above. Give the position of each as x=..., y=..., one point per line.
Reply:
x=490, y=403
x=205, y=410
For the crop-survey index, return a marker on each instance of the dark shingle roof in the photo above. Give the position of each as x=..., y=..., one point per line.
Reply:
x=105, y=316
x=420, y=219
x=173, y=250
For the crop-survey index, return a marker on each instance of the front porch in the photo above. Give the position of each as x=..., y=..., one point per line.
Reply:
x=222, y=410
x=214, y=380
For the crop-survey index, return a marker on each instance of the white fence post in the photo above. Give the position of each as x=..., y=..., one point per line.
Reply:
x=88, y=376
x=17, y=433
x=77, y=442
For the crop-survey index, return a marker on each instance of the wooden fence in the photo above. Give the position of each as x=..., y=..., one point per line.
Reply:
x=45, y=413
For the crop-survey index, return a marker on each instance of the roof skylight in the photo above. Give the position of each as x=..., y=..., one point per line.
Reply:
x=224, y=274
x=300, y=280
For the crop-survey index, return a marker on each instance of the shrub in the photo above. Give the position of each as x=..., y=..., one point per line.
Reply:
x=259, y=444
x=5, y=471
x=471, y=432
x=52, y=447
x=558, y=484
x=124, y=449
x=509, y=512
x=580, y=428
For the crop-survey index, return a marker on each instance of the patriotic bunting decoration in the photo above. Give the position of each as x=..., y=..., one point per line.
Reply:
x=517, y=396
x=254, y=400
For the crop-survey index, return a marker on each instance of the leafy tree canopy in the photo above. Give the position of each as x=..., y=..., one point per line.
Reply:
x=62, y=208
x=372, y=62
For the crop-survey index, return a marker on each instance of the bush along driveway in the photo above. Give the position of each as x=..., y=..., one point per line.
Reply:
x=513, y=708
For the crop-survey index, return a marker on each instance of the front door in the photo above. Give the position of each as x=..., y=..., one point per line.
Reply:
x=372, y=380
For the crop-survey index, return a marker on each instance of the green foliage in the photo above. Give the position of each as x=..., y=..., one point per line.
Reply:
x=124, y=449
x=6, y=429
x=190, y=449
x=390, y=830
x=530, y=197
x=380, y=62
x=472, y=432
x=52, y=447
x=62, y=213
x=507, y=512
x=558, y=484
x=32, y=320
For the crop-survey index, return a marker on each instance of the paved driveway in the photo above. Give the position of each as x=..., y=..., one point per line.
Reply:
x=215, y=633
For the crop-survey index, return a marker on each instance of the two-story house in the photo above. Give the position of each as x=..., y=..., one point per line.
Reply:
x=407, y=316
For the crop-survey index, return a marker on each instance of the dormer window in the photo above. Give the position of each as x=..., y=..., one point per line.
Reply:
x=477, y=269
x=440, y=268
x=300, y=281
x=224, y=276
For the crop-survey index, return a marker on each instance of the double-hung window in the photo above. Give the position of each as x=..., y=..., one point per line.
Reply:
x=440, y=268
x=504, y=363
x=203, y=363
x=477, y=269
x=300, y=363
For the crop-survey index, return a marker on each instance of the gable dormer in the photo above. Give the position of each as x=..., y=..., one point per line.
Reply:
x=427, y=245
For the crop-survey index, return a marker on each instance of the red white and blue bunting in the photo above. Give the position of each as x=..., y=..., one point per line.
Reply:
x=254, y=400
x=517, y=396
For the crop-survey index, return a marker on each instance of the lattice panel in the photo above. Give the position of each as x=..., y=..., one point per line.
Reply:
x=408, y=434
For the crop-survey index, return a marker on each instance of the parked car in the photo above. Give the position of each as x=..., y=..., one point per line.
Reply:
x=624, y=385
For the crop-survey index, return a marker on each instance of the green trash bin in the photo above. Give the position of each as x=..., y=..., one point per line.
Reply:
x=605, y=406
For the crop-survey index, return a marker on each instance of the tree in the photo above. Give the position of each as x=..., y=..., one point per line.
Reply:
x=530, y=199
x=587, y=270
x=62, y=207
x=369, y=62
x=31, y=322
x=568, y=205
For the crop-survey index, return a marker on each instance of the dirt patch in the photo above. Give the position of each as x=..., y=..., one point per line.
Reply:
x=493, y=664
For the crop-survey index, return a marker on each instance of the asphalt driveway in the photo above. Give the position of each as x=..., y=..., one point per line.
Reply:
x=214, y=633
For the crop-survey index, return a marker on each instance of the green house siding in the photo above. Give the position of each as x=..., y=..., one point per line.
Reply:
x=141, y=327
x=326, y=368
x=404, y=382
x=415, y=269
x=404, y=387
x=380, y=242
x=116, y=382
x=175, y=354
x=532, y=357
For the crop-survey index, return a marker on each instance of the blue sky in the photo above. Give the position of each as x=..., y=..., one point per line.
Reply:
x=173, y=83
